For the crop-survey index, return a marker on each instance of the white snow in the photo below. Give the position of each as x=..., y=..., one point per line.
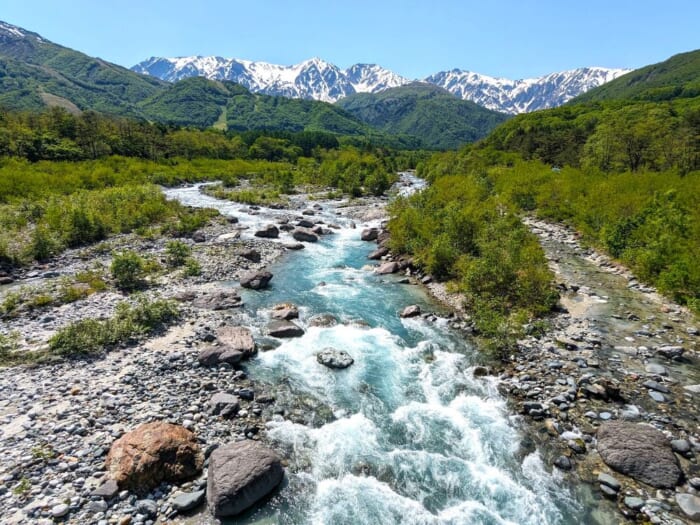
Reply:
x=320, y=80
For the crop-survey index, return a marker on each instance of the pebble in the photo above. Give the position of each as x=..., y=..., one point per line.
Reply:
x=60, y=510
x=633, y=502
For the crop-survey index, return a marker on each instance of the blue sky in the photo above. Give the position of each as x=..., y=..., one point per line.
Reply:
x=508, y=38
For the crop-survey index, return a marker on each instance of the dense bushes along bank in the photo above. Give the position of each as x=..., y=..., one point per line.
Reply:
x=465, y=229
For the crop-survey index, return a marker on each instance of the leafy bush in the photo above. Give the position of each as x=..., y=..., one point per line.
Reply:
x=90, y=336
x=192, y=267
x=128, y=270
x=176, y=253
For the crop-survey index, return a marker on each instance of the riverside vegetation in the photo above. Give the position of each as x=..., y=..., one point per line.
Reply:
x=623, y=171
x=67, y=181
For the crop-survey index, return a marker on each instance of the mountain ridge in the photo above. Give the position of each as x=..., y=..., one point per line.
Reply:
x=318, y=79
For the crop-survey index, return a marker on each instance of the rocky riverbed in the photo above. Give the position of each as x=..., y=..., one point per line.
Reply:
x=617, y=353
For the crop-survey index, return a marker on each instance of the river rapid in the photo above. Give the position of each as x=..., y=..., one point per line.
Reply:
x=410, y=435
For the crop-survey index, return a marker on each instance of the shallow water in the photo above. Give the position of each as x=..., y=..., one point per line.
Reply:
x=416, y=438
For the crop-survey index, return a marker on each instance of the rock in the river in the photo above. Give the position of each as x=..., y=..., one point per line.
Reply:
x=387, y=268
x=323, y=320
x=224, y=404
x=285, y=312
x=256, y=280
x=214, y=355
x=369, y=234
x=378, y=253
x=304, y=235
x=219, y=300
x=269, y=231
x=240, y=474
x=284, y=329
x=639, y=451
x=237, y=338
x=333, y=358
x=294, y=246
x=690, y=505
x=152, y=453
x=410, y=311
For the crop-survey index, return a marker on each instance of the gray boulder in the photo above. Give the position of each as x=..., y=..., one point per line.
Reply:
x=690, y=505
x=285, y=311
x=219, y=300
x=237, y=338
x=184, y=501
x=304, y=235
x=333, y=358
x=640, y=452
x=378, y=253
x=324, y=320
x=256, y=280
x=240, y=474
x=250, y=254
x=269, y=231
x=284, y=329
x=215, y=355
x=225, y=405
x=410, y=311
x=369, y=234
x=387, y=268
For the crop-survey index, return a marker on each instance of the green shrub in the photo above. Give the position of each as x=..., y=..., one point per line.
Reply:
x=128, y=270
x=192, y=268
x=90, y=336
x=176, y=253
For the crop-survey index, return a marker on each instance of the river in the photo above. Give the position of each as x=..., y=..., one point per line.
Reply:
x=414, y=437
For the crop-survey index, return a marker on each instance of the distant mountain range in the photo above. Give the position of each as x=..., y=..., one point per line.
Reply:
x=316, y=79
x=36, y=73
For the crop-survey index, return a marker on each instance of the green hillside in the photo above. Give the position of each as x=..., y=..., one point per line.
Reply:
x=35, y=73
x=677, y=77
x=431, y=114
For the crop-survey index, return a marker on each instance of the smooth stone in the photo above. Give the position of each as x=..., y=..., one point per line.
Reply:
x=563, y=463
x=656, y=369
x=653, y=385
x=657, y=396
x=284, y=329
x=633, y=502
x=304, y=235
x=682, y=446
x=690, y=505
x=256, y=280
x=607, y=479
x=60, y=510
x=369, y=234
x=147, y=507
x=184, y=501
x=107, y=490
x=224, y=404
x=240, y=474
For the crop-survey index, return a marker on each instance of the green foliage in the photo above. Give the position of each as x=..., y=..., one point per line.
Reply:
x=192, y=268
x=91, y=336
x=128, y=270
x=432, y=115
x=177, y=253
x=459, y=230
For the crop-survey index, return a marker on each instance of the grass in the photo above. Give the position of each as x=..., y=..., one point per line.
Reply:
x=92, y=336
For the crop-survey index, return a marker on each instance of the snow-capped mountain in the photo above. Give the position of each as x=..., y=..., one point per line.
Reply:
x=522, y=96
x=320, y=80
x=312, y=79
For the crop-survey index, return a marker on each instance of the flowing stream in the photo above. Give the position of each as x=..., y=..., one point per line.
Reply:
x=414, y=438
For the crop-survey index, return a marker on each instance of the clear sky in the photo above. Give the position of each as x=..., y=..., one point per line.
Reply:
x=510, y=38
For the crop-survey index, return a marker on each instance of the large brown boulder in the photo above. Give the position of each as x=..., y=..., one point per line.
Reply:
x=304, y=235
x=640, y=452
x=240, y=474
x=237, y=338
x=151, y=453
